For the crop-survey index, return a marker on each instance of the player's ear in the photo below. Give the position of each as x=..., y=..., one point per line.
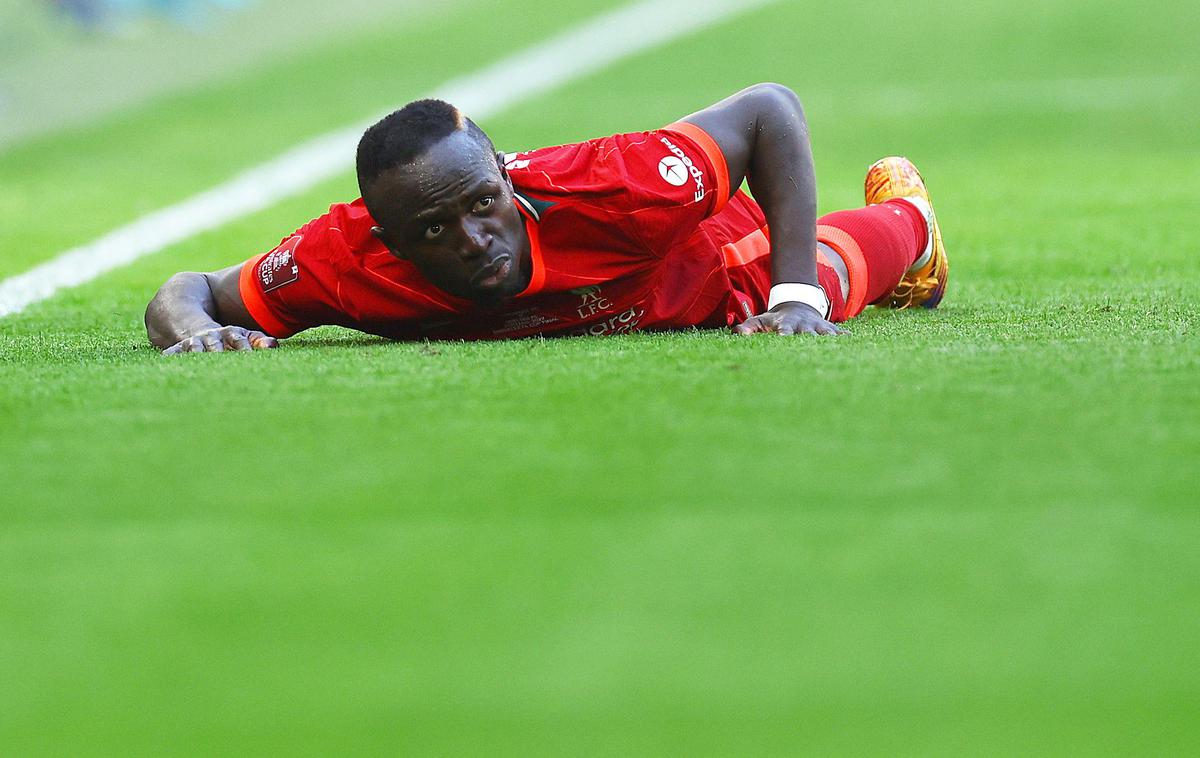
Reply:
x=501, y=158
x=378, y=233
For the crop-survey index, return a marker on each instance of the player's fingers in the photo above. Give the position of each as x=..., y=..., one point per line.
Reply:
x=193, y=345
x=237, y=340
x=786, y=329
x=260, y=341
x=182, y=346
x=749, y=326
x=212, y=343
x=768, y=322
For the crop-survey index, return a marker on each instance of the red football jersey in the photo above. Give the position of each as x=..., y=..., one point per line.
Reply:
x=627, y=232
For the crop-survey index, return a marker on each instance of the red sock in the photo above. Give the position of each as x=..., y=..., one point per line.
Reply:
x=889, y=237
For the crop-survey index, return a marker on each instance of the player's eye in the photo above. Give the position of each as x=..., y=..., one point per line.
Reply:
x=433, y=230
x=484, y=203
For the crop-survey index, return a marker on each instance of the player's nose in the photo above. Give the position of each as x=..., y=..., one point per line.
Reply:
x=475, y=241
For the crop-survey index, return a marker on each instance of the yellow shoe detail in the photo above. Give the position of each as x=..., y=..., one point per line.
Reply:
x=925, y=283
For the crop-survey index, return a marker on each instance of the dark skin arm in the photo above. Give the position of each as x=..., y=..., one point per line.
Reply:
x=764, y=135
x=197, y=313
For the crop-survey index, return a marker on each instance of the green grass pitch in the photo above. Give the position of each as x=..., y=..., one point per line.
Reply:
x=966, y=531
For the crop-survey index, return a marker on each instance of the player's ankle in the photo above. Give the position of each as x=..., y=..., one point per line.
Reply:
x=926, y=210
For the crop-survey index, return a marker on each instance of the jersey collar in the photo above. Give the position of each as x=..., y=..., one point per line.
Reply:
x=531, y=214
x=532, y=206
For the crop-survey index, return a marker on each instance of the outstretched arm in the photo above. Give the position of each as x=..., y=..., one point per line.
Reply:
x=764, y=137
x=203, y=313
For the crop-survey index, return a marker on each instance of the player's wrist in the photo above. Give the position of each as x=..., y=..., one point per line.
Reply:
x=811, y=295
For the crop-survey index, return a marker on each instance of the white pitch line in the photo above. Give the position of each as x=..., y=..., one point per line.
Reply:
x=575, y=53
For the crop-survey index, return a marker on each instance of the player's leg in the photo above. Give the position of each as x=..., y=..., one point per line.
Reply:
x=877, y=245
x=892, y=250
x=834, y=278
x=827, y=256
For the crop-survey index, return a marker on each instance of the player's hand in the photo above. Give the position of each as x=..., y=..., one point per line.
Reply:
x=220, y=340
x=789, y=318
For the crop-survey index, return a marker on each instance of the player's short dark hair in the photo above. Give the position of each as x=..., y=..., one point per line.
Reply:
x=400, y=137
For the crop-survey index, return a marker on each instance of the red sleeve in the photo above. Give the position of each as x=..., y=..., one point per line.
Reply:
x=713, y=157
x=295, y=286
x=674, y=178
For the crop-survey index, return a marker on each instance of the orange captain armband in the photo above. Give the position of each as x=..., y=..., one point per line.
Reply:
x=716, y=159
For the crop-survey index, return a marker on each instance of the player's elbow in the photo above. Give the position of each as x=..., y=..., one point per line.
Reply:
x=775, y=100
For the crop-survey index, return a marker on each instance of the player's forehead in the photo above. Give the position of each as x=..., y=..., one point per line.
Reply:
x=443, y=175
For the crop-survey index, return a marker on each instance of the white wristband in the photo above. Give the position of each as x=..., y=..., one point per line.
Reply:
x=795, y=292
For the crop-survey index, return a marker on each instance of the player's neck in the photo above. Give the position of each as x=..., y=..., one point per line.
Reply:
x=526, y=257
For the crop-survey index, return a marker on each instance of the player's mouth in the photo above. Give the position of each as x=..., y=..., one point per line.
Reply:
x=493, y=274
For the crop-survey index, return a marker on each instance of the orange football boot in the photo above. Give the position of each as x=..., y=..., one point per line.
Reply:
x=925, y=281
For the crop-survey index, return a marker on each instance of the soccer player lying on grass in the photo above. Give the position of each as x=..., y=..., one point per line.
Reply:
x=452, y=240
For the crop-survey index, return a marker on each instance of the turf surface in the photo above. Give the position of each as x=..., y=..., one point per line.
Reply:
x=965, y=531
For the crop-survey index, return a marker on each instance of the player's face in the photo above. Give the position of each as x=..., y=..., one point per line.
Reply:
x=452, y=214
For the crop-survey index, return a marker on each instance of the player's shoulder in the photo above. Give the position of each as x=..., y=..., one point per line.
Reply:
x=350, y=220
x=594, y=166
x=593, y=149
x=344, y=229
x=554, y=159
